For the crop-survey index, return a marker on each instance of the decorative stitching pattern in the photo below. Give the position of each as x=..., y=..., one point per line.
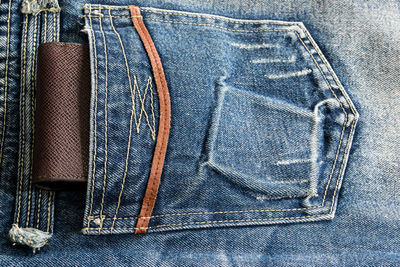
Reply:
x=133, y=114
x=337, y=153
x=149, y=86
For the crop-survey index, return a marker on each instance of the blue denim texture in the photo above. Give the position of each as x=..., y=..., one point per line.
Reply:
x=270, y=124
x=260, y=153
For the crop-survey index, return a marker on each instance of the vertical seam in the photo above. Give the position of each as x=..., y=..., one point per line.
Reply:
x=5, y=84
x=95, y=120
x=21, y=167
x=341, y=167
x=54, y=27
x=105, y=123
x=343, y=109
x=164, y=124
x=133, y=113
x=32, y=116
x=45, y=27
x=49, y=211
x=38, y=211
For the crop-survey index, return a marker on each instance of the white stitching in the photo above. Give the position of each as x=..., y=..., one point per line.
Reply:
x=342, y=135
x=95, y=122
x=35, y=29
x=21, y=167
x=130, y=122
x=105, y=122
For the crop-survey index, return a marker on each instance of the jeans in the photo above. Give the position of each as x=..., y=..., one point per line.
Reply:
x=278, y=124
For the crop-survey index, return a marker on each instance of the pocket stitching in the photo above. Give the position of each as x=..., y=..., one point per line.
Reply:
x=345, y=152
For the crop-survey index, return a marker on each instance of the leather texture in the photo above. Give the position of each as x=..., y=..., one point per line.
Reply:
x=61, y=135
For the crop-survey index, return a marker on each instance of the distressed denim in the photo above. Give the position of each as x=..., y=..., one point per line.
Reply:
x=282, y=147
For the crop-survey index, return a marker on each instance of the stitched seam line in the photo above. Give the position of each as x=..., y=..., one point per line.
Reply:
x=33, y=79
x=5, y=84
x=95, y=121
x=209, y=222
x=339, y=142
x=105, y=123
x=133, y=114
x=38, y=211
x=45, y=27
x=190, y=14
x=22, y=154
x=341, y=105
x=54, y=27
x=338, y=149
x=49, y=211
x=221, y=18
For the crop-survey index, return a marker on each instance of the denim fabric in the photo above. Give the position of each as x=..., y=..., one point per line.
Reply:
x=270, y=124
x=264, y=152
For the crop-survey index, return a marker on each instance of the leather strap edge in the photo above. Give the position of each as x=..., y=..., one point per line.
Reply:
x=164, y=122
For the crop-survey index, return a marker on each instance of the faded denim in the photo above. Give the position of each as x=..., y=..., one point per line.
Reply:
x=266, y=162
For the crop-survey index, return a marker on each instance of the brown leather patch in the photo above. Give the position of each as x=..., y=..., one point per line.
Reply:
x=164, y=122
x=61, y=134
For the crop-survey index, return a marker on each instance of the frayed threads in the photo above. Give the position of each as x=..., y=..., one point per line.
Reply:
x=36, y=6
x=31, y=237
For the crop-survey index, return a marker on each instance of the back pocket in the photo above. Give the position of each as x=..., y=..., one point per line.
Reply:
x=261, y=127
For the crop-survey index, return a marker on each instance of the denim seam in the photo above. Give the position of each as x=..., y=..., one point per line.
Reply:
x=6, y=83
x=200, y=24
x=190, y=14
x=133, y=113
x=21, y=163
x=35, y=29
x=38, y=207
x=49, y=211
x=339, y=145
x=338, y=149
x=222, y=18
x=95, y=120
x=54, y=27
x=105, y=122
x=209, y=222
x=341, y=105
x=45, y=26
x=347, y=100
x=30, y=202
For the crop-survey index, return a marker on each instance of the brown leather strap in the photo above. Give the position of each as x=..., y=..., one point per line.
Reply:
x=60, y=157
x=164, y=122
